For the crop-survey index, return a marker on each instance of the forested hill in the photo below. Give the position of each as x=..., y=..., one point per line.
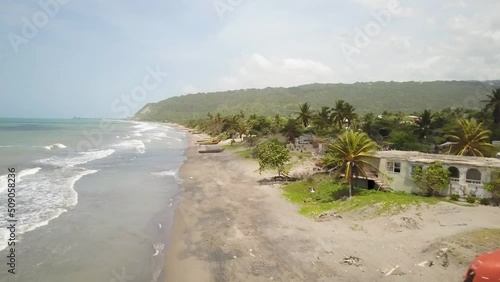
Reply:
x=373, y=97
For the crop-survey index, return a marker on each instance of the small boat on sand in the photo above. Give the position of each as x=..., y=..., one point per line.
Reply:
x=212, y=151
x=211, y=142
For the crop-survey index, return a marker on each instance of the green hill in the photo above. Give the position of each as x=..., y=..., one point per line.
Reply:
x=373, y=97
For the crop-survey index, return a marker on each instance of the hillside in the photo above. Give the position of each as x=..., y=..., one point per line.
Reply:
x=373, y=97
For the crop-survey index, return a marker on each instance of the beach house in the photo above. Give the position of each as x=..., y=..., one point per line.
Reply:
x=468, y=175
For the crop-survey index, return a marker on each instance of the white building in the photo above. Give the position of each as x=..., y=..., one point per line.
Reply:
x=467, y=174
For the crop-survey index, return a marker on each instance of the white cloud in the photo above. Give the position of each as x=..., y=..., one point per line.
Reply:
x=189, y=89
x=379, y=5
x=259, y=71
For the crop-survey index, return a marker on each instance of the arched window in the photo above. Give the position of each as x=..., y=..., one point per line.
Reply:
x=454, y=173
x=473, y=176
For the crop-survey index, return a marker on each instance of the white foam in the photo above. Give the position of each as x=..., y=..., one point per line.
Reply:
x=171, y=173
x=45, y=196
x=19, y=176
x=80, y=158
x=158, y=247
x=55, y=146
x=144, y=126
x=138, y=145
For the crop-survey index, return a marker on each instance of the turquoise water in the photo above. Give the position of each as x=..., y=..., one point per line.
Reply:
x=94, y=198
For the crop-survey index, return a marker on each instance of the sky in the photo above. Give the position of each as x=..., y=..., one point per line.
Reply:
x=65, y=58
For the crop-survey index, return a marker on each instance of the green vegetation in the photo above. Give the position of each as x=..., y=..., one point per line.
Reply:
x=431, y=180
x=350, y=140
x=272, y=155
x=454, y=197
x=349, y=153
x=472, y=139
x=471, y=199
x=330, y=196
x=494, y=188
x=376, y=97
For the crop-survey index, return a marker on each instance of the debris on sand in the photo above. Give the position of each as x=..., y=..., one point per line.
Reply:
x=428, y=263
x=443, y=254
x=409, y=223
x=327, y=216
x=351, y=260
x=395, y=271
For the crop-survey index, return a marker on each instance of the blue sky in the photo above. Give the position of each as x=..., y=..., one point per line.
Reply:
x=86, y=58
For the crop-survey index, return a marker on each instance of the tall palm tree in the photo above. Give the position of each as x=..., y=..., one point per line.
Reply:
x=305, y=114
x=425, y=124
x=348, y=113
x=322, y=119
x=338, y=113
x=493, y=102
x=349, y=153
x=471, y=139
x=292, y=130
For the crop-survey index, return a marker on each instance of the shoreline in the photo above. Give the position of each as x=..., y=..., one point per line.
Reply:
x=228, y=227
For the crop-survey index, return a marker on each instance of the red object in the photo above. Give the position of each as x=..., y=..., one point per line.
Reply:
x=485, y=267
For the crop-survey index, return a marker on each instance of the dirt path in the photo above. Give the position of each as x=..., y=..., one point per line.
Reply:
x=230, y=228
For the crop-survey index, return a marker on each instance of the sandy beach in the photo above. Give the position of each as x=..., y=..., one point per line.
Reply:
x=228, y=227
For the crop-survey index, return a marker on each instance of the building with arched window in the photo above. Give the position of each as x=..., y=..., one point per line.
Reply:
x=468, y=175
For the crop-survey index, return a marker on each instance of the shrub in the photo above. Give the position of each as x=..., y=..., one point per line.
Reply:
x=471, y=199
x=272, y=155
x=484, y=202
x=432, y=180
x=494, y=188
x=454, y=197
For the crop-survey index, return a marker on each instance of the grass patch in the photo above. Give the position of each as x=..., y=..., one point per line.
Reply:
x=330, y=196
x=240, y=150
x=246, y=153
x=233, y=147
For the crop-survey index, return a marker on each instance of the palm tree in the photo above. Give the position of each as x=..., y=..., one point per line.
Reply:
x=471, y=139
x=425, y=124
x=349, y=153
x=348, y=113
x=493, y=102
x=305, y=114
x=322, y=120
x=292, y=130
x=338, y=113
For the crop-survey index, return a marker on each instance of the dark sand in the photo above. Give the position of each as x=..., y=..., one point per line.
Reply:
x=228, y=227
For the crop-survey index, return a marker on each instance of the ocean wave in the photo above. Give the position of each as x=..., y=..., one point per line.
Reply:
x=55, y=146
x=81, y=158
x=144, y=126
x=171, y=173
x=19, y=176
x=138, y=145
x=44, y=197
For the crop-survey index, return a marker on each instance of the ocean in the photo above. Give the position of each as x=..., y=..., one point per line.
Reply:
x=94, y=199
